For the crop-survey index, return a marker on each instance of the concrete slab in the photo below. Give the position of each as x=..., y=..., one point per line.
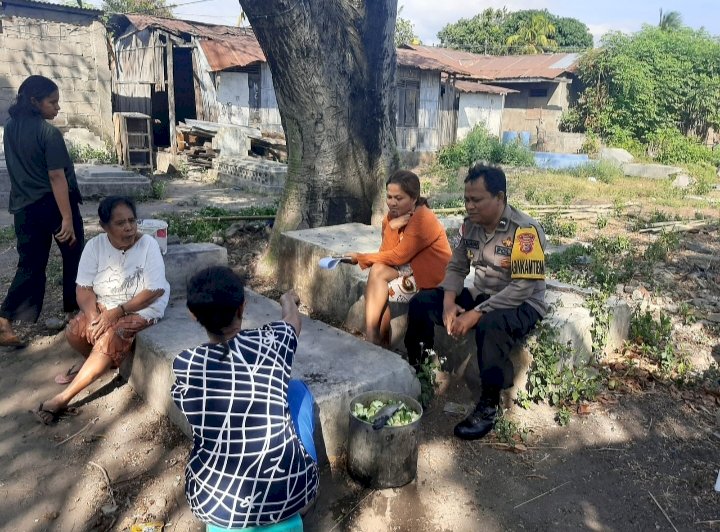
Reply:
x=182, y=261
x=650, y=171
x=340, y=292
x=336, y=366
x=616, y=156
x=251, y=175
x=104, y=180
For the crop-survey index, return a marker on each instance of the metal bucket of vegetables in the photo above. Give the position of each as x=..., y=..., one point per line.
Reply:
x=383, y=438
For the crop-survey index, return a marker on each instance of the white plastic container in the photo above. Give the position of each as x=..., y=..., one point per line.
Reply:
x=158, y=229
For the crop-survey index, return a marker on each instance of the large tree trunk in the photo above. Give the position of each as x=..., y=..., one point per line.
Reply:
x=333, y=69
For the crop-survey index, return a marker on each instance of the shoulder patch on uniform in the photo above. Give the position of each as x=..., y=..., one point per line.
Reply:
x=527, y=260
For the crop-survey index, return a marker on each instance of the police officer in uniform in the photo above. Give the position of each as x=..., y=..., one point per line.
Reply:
x=507, y=299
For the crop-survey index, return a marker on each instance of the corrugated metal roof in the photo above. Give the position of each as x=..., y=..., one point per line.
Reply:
x=410, y=58
x=476, y=86
x=188, y=27
x=236, y=51
x=502, y=67
x=53, y=6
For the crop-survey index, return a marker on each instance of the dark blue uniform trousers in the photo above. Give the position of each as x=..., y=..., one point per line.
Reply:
x=495, y=334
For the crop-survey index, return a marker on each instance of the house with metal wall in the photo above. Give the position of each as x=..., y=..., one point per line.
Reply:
x=542, y=87
x=174, y=70
x=67, y=44
x=219, y=74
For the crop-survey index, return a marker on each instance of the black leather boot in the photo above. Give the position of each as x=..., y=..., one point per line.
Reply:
x=479, y=423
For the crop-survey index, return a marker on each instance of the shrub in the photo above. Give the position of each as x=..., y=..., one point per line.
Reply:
x=654, y=340
x=479, y=145
x=603, y=171
x=571, y=122
x=591, y=144
x=552, y=377
x=670, y=146
x=622, y=138
x=552, y=224
x=86, y=153
x=705, y=175
x=514, y=154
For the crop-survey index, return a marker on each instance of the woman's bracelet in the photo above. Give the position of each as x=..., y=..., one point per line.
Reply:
x=122, y=307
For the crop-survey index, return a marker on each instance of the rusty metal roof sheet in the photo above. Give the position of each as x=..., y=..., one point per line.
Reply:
x=236, y=51
x=502, y=67
x=188, y=27
x=476, y=86
x=409, y=58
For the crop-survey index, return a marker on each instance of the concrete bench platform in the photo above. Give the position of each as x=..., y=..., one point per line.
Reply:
x=340, y=292
x=335, y=365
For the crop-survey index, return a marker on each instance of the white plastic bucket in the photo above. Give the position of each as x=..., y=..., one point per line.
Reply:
x=158, y=229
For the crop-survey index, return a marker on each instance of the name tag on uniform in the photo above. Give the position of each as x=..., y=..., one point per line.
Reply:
x=501, y=250
x=528, y=258
x=471, y=244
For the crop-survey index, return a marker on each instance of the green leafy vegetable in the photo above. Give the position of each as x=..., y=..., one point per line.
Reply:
x=403, y=416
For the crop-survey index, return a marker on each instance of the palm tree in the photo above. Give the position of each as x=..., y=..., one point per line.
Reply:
x=534, y=36
x=670, y=21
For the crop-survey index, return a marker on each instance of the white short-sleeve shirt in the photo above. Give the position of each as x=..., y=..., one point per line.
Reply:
x=117, y=276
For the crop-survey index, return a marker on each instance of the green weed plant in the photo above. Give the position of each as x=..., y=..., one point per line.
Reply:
x=653, y=339
x=552, y=377
x=199, y=226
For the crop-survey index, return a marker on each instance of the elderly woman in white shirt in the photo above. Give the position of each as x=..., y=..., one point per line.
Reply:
x=121, y=290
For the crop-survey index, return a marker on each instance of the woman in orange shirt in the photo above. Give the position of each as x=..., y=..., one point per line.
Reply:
x=413, y=254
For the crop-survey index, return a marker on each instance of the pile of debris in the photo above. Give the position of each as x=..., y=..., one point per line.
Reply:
x=202, y=141
x=194, y=139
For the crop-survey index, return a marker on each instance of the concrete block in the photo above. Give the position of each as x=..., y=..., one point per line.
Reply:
x=682, y=181
x=182, y=261
x=335, y=365
x=251, y=175
x=574, y=325
x=166, y=162
x=340, y=292
x=333, y=291
x=79, y=137
x=232, y=141
x=620, y=315
x=650, y=171
x=616, y=156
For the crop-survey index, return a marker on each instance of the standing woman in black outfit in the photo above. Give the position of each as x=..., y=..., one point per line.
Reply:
x=44, y=199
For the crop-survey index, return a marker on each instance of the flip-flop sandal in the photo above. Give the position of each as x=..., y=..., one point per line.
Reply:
x=68, y=376
x=50, y=417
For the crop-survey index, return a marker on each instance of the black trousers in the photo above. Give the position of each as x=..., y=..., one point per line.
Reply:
x=495, y=334
x=35, y=227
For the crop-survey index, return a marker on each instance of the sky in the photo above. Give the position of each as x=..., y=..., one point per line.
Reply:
x=430, y=16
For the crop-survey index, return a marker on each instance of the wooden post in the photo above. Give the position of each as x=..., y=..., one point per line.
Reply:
x=171, y=93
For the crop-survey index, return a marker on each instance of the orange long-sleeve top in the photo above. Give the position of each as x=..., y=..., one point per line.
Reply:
x=422, y=243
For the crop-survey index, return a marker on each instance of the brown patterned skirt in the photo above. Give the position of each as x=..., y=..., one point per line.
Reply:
x=115, y=343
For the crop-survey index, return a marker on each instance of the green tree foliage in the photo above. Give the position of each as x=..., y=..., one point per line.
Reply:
x=533, y=36
x=570, y=33
x=488, y=32
x=158, y=8
x=405, y=33
x=482, y=34
x=670, y=21
x=645, y=85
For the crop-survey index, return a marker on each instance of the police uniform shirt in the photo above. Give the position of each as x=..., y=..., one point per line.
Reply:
x=509, y=263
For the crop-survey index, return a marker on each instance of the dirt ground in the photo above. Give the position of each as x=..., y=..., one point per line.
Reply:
x=644, y=456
